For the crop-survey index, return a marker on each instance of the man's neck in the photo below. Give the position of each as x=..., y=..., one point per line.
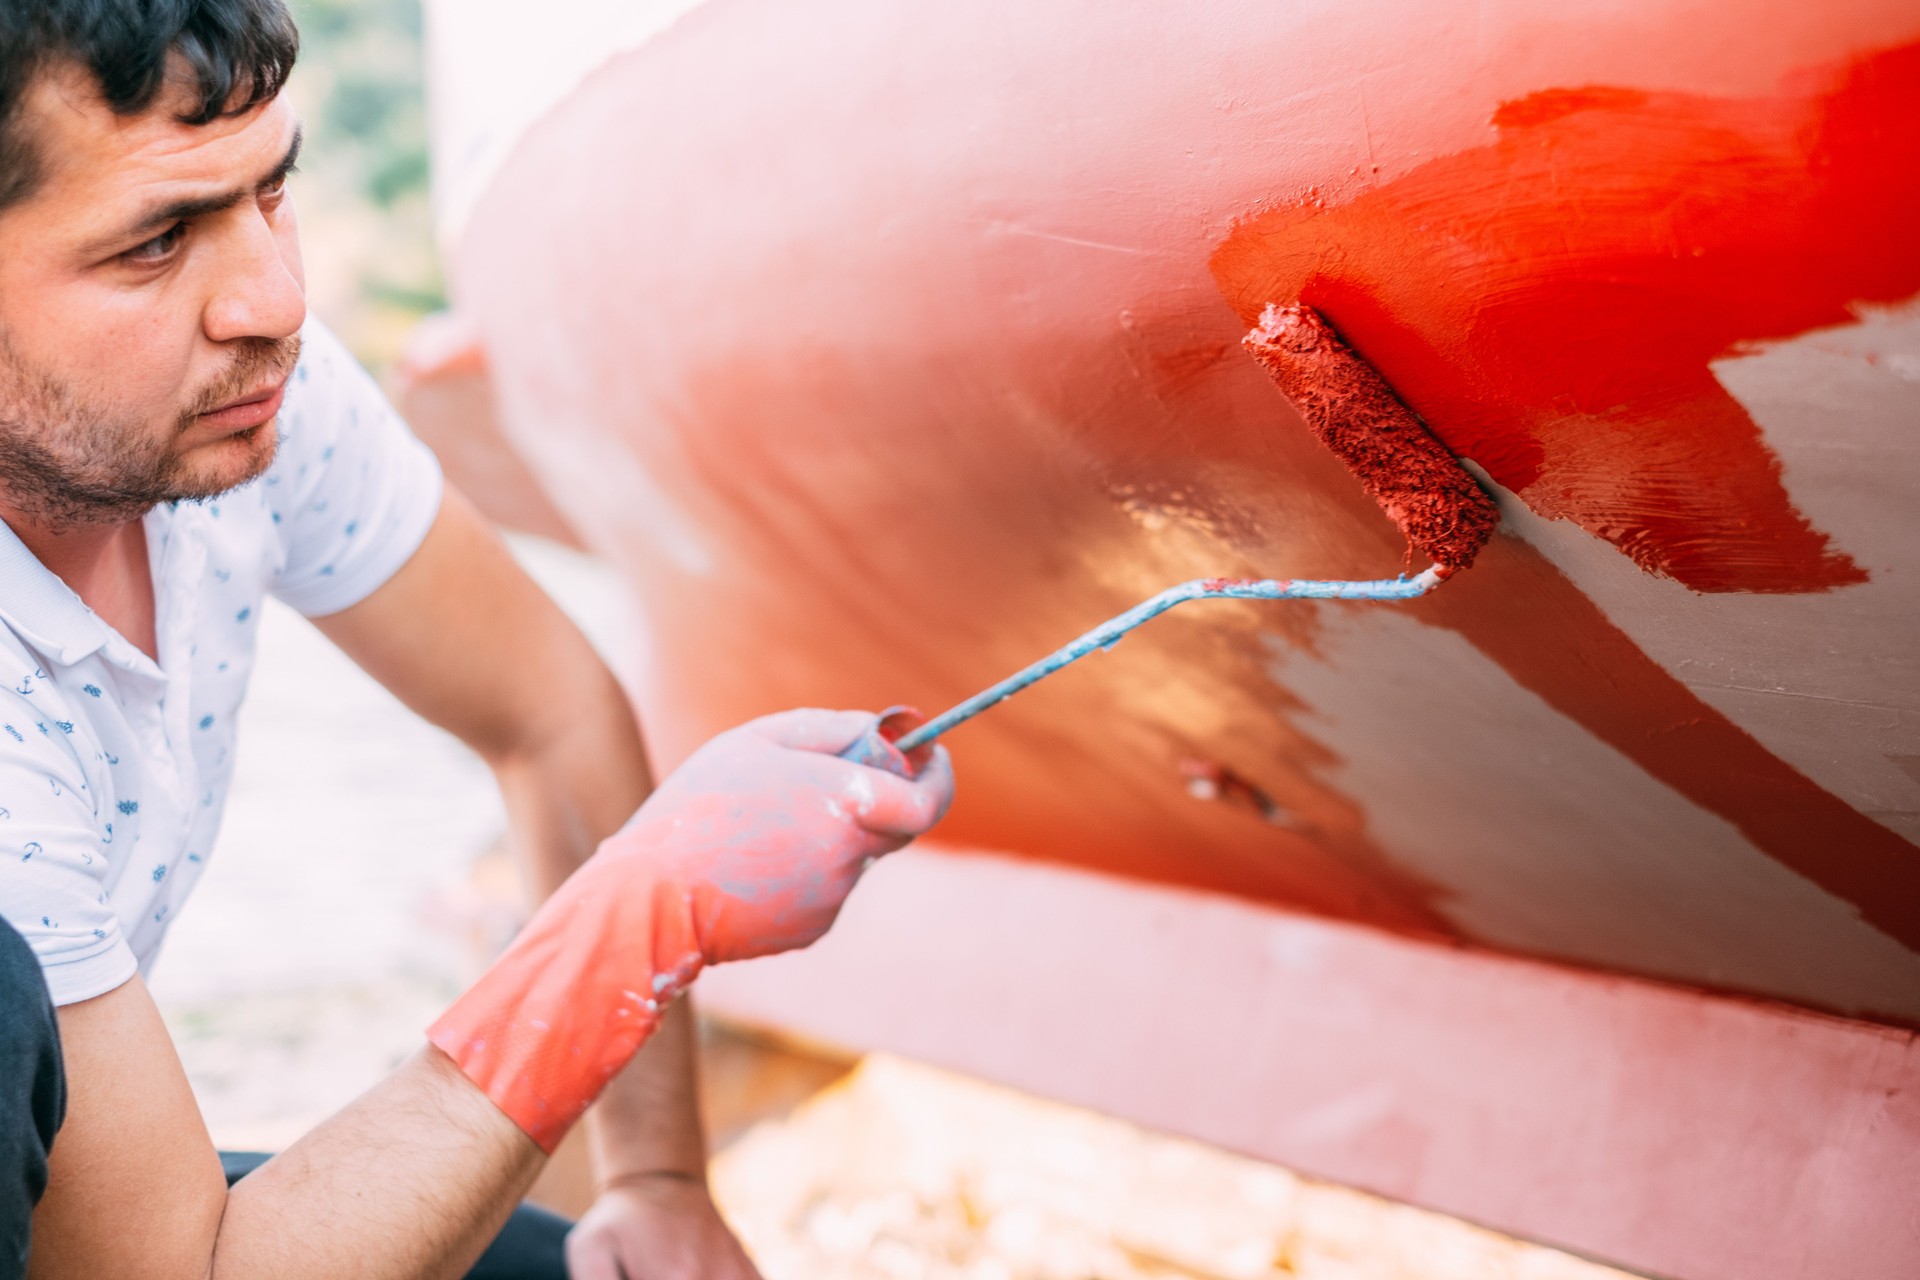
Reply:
x=105, y=565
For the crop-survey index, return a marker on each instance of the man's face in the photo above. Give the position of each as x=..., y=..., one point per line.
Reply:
x=151, y=297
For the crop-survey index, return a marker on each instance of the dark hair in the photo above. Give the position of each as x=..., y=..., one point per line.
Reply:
x=237, y=52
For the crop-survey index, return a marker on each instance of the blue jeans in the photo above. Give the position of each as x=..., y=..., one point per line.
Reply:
x=33, y=1095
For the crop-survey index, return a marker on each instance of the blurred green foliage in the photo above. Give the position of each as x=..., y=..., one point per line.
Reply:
x=369, y=52
x=361, y=89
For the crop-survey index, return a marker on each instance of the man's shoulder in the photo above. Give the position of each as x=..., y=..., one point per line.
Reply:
x=352, y=492
x=329, y=396
x=328, y=386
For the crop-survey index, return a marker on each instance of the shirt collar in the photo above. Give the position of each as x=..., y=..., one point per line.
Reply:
x=43, y=610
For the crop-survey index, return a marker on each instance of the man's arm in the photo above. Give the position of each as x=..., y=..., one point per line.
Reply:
x=466, y=638
x=750, y=848
x=411, y=1179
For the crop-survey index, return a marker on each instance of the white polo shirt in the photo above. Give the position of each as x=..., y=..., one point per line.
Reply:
x=113, y=768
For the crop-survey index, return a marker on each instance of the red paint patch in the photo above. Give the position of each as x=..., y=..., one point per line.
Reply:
x=1549, y=304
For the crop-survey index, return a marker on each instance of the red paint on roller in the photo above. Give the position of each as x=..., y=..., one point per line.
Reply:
x=1352, y=411
x=1551, y=303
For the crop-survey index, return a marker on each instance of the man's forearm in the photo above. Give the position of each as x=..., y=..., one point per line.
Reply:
x=452, y=1169
x=647, y=1123
x=562, y=800
x=411, y=1179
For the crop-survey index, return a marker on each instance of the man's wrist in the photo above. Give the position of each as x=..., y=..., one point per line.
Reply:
x=652, y=1180
x=642, y=1155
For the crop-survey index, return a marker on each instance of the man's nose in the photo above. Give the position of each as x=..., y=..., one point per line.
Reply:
x=258, y=292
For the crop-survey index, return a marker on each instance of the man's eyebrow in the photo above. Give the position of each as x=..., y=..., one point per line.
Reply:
x=160, y=217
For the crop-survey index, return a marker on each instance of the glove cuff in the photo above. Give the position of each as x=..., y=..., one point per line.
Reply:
x=573, y=998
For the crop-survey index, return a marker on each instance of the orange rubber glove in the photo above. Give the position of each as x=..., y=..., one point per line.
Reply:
x=748, y=848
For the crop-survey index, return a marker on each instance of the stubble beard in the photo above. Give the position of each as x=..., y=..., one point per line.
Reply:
x=63, y=466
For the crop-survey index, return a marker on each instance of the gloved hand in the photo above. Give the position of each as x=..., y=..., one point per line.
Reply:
x=748, y=848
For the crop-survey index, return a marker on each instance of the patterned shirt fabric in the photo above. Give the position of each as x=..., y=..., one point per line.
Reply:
x=114, y=769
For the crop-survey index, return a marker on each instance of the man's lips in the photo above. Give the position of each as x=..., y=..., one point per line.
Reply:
x=243, y=415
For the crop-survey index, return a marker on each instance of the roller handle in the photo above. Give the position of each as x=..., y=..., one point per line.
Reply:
x=875, y=748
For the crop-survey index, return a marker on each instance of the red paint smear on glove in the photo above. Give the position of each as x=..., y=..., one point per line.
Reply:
x=1549, y=304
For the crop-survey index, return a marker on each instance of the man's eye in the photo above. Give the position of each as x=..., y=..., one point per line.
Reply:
x=160, y=247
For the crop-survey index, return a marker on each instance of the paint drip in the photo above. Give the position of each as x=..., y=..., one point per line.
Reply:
x=1351, y=410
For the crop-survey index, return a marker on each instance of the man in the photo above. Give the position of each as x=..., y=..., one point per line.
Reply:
x=177, y=440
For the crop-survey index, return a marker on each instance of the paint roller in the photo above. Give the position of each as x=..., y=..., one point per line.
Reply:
x=1350, y=408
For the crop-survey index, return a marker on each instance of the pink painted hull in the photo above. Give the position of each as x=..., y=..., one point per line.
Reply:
x=885, y=348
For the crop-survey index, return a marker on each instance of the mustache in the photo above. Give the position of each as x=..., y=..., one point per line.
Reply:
x=255, y=360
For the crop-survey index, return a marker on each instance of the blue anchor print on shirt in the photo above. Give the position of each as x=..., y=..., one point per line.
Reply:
x=15, y=733
x=91, y=690
x=206, y=722
x=160, y=873
x=107, y=838
x=112, y=758
x=129, y=806
x=64, y=726
x=31, y=847
x=25, y=686
x=55, y=784
x=244, y=614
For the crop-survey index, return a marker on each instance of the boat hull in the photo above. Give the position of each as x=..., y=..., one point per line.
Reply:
x=884, y=349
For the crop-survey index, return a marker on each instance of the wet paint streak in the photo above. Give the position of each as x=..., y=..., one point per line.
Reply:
x=1550, y=304
x=1520, y=611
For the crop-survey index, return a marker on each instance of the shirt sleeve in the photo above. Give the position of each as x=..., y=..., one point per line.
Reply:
x=357, y=490
x=52, y=864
